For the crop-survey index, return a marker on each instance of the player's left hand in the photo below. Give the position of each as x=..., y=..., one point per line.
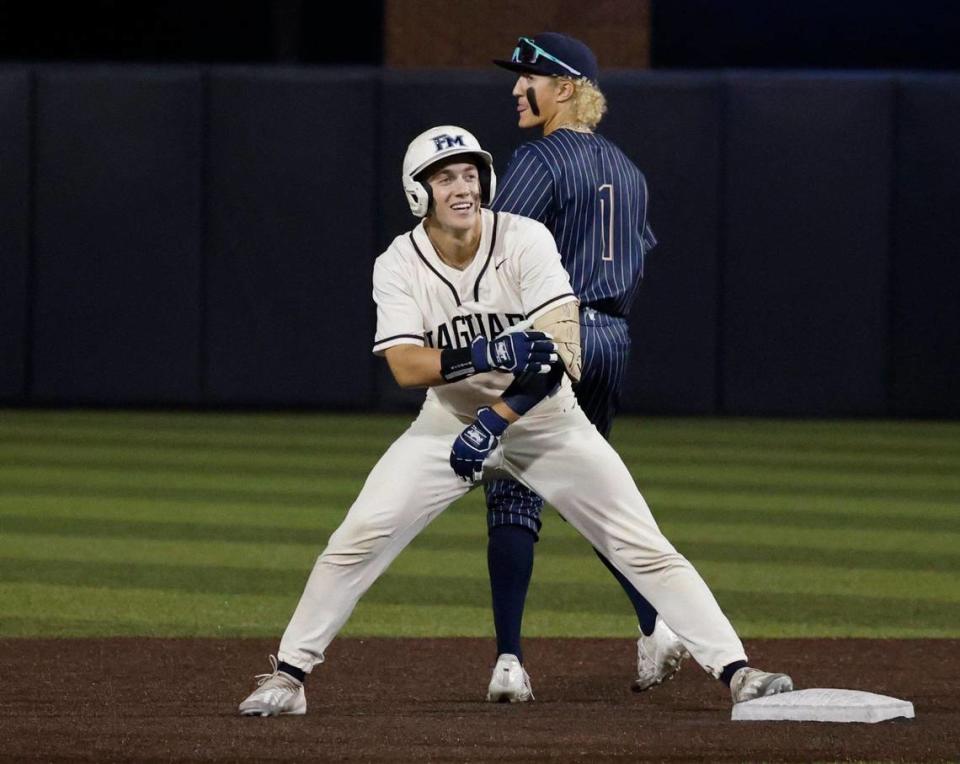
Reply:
x=476, y=443
x=517, y=352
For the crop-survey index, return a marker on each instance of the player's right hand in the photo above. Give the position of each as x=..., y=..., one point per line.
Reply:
x=515, y=352
x=476, y=443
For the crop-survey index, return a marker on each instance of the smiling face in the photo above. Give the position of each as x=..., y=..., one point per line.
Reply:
x=455, y=188
x=542, y=101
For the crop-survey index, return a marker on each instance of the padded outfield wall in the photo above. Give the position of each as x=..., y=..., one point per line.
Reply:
x=204, y=236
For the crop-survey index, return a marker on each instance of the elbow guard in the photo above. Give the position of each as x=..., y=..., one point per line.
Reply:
x=563, y=324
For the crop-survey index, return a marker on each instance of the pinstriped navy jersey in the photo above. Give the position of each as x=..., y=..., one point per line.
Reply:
x=594, y=201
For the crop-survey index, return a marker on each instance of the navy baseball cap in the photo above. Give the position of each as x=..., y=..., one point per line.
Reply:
x=552, y=53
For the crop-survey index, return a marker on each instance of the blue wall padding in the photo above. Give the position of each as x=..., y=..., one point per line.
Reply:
x=117, y=237
x=292, y=214
x=808, y=165
x=925, y=314
x=14, y=230
x=670, y=126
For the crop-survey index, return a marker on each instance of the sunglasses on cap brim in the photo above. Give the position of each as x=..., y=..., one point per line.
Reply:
x=528, y=52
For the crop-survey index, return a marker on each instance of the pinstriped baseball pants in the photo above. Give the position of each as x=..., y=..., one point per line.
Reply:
x=557, y=454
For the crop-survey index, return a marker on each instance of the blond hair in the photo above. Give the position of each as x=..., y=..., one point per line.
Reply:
x=588, y=104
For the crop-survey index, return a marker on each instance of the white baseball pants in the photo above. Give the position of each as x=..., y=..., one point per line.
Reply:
x=562, y=457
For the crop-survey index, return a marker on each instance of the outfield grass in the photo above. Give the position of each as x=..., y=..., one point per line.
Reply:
x=123, y=523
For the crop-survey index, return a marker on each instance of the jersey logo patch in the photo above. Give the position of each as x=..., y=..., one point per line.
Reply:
x=460, y=331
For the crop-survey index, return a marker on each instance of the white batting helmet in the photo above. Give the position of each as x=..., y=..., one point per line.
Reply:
x=435, y=144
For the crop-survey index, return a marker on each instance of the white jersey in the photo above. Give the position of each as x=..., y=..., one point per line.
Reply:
x=516, y=275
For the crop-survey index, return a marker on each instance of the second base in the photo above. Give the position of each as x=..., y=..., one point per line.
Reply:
x=823, y=705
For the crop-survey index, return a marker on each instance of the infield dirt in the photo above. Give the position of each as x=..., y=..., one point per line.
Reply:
x=129, y=699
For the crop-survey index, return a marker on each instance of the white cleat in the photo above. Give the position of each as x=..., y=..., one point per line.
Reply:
x=658, y=657
x=277, y=694
x=510, y=682
x=750, y=683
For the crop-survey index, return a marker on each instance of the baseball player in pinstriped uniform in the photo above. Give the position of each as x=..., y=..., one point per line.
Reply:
x=456, y=298
x=594, y=201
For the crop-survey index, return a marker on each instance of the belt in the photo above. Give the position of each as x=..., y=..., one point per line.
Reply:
x=608, y=306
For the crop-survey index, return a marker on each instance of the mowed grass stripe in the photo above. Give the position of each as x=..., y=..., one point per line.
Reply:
x=824, y=436
x=148, y=530
x=736, y=508
x=852, y=612
x=171, y=518
x=206, y=464
x=364, y=452
x=268, y=621
x=740, y=473
x=822, y=546
x=822, y=432
x=732, y=502
x=416, y=592
x=117, y=475
x=242, y=420
x=310, y=430
x=290, y=556
x=340, y=493
x=152, y=612
x=455, y=591
x=844, y=548
x=322, y=519
x=829, y=562
x=809, y=519
x=848, y=462
x=421, y=560
x=202, y=422
x=775, y=483
x=397, y=621
x=171, y=482
x=97, y=508
x=934, y=457
x=467, y=517
x=434, y=553
x=202, y=554
x=794, y=578
x=720, y=439
x=238, y=445
x=756, y=626
x=739, y=478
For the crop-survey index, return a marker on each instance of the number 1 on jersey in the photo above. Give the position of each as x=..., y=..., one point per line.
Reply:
x=606, y=220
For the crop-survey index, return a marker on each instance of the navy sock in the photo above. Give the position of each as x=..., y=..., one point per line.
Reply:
x=286, y=668
x=729, y=670
x=510, y=562
x=646, y=613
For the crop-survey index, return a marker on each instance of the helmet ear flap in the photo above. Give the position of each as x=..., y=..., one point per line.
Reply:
x=488, y=183
x=418, y=197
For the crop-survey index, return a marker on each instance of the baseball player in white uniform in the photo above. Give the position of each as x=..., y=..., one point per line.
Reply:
x=476, y=306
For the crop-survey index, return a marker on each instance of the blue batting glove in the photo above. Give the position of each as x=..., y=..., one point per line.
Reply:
x=515, y=352
x=476, y=443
